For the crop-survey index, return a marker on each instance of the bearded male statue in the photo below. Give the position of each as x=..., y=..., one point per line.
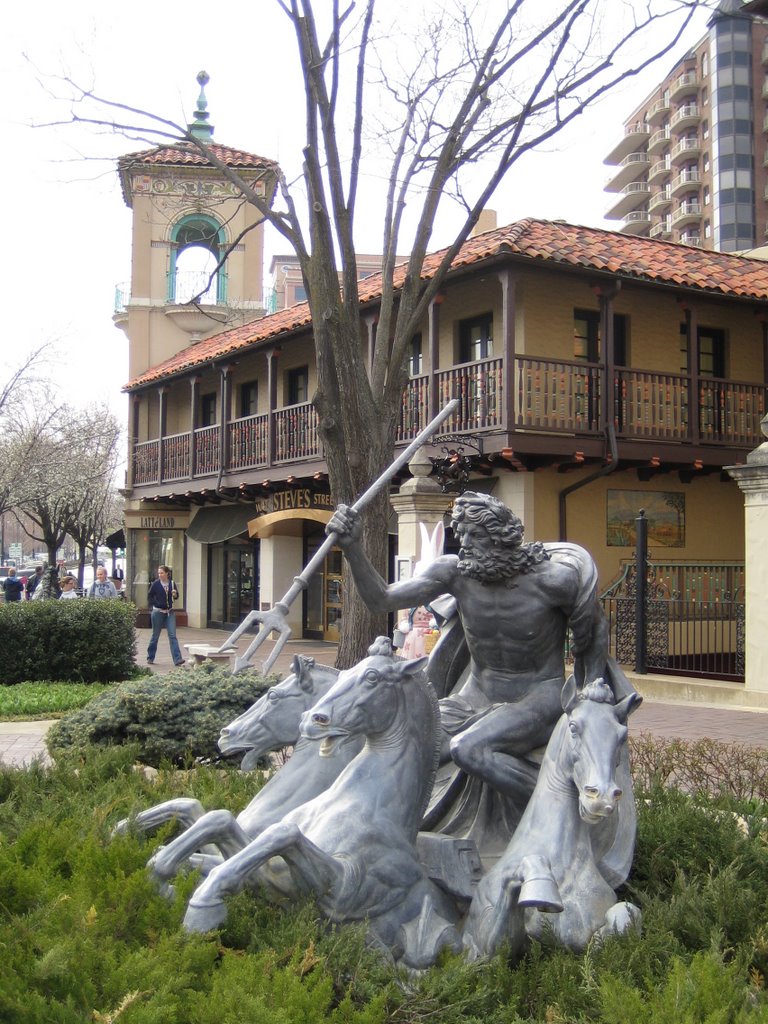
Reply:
x=516, y=603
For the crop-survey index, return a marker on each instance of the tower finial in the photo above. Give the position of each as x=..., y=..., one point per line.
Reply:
x=200, y=127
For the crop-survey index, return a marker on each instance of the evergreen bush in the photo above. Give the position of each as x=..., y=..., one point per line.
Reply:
x=85, y=937
x=69, y=641
x=172, y=718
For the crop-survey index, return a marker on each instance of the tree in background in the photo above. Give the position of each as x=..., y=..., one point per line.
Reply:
x=70, y=484
x=440, y=105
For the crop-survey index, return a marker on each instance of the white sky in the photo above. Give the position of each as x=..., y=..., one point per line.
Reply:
x=67, y=229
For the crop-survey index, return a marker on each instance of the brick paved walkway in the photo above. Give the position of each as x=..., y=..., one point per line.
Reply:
x=20, y=742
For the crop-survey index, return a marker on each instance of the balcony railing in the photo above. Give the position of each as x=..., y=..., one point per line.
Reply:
x=545, y=396
x=249, y=442
x=296, y=435
x=651, y=405
x=558, y=396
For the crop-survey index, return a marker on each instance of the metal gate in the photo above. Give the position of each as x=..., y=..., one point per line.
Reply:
x=688, y=621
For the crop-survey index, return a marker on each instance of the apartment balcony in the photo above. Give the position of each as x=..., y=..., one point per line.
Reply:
x=658, y=142
x=636, y=223
x=661, y=230
x=764, y=90
x=630, y=168
x=690, y=179
x=765, y=53
x=658, y=111
x=632, y=196
x=685, y=149
x=687, y=238
x=685, y=85
x=659, y=170
x=686, y=117
x=533, y=395
x=661, y=201
x=686, y=213
x=634, y=138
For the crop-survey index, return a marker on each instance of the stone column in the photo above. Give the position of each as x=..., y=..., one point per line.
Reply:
x=420, y=500
x=752, y=478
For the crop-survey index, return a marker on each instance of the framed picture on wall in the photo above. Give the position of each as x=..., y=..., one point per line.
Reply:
x=664, y=510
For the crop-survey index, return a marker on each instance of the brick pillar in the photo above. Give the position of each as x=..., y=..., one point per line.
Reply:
x=752, y=478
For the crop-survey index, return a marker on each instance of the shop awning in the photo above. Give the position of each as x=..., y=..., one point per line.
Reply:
x=215, y=525
x=116, y=540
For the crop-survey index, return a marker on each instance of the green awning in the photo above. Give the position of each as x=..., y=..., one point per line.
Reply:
x=215, y=525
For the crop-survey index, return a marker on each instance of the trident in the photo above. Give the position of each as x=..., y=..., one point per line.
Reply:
x=275, y=620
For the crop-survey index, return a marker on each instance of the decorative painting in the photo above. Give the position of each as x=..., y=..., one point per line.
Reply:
x=664, y=510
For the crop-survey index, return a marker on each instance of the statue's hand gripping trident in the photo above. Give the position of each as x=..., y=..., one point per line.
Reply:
x=276, y=619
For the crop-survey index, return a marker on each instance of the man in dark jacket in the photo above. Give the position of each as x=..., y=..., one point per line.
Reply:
x=13, y=586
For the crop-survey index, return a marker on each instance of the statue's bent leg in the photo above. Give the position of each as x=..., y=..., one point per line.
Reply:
x=316, y=870
x=185, y=810
x=217, y=827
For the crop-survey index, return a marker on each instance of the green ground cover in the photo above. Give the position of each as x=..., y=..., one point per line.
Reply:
x=28, y=701
x=84, y=937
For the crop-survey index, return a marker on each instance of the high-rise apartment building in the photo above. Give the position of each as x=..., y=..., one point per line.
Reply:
x=692, y=163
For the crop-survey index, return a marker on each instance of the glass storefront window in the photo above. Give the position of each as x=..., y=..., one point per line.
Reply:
x=148, y=549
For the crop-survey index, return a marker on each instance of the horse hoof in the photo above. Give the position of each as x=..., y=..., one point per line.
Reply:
x=204, y=917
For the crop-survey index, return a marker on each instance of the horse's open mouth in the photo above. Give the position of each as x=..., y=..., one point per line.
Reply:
x=250, y=761
x=330, y=744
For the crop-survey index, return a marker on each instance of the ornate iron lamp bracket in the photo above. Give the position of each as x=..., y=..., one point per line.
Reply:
x=453, y=467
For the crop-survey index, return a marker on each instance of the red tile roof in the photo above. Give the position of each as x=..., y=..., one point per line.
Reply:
x=187, y=154
x=532, y=242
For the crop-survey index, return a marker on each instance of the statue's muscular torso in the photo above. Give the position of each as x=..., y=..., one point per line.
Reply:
x=515, y=630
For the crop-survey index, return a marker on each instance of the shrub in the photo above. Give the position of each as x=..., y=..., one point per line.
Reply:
x=85, y=937
x=172, y=718
x=710, y=767
x=70, y=641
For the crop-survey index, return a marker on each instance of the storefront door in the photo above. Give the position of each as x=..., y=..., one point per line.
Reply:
x=232, y=583
x=323, y=597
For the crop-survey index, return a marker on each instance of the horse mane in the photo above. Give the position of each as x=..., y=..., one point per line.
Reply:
x=599, y=691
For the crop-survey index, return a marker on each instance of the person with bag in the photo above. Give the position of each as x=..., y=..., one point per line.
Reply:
x=162, y=594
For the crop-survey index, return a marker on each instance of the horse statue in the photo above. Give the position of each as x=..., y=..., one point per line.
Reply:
x=271, y=723
x=353, y=845
x=549, y=879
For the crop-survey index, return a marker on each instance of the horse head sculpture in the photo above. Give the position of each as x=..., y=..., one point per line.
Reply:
x=273, y=721
x=596, y=732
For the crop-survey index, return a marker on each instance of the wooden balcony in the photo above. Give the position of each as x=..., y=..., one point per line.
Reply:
x=537, y=396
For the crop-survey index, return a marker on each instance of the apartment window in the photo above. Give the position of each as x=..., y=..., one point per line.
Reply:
x=415, y=357
x=297, y=385
x=208, y=409
x=711, y=351
x=707, y=229
x=586, y=336
x=707, y=196
x=476, y=338
x=249, y=398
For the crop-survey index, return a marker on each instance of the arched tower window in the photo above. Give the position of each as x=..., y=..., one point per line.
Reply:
x=197, y=244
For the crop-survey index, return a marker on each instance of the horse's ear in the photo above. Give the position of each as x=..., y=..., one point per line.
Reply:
x=625, y=707
x=304, y=672
x=412, y=668
x=569, y=694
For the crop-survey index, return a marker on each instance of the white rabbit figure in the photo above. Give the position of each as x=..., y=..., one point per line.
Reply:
x=431, y=546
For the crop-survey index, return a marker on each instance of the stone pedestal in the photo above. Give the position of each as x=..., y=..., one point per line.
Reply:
x=420, y=500
x=752, y=478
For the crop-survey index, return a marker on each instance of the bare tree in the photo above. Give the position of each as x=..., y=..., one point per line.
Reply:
x=71, y=479
x=483, y=85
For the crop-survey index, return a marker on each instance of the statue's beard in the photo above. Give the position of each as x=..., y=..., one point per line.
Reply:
x=500, y=564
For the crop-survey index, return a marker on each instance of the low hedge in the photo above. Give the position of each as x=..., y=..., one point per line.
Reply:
x=71, y=641
x=173, y=718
